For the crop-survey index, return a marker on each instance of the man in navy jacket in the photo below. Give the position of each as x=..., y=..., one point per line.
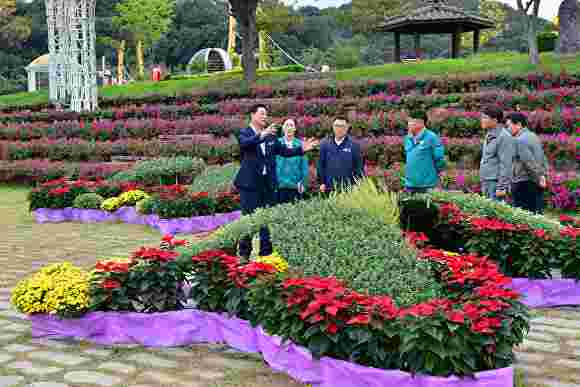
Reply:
x=256, y=180
x=340, y=160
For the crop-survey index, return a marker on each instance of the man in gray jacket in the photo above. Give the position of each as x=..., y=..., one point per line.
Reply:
x=530, y=168
x=495, y=171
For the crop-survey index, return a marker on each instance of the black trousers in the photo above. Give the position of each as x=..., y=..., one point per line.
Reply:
x=250, y=200
x=288, y=195
x=529, y=196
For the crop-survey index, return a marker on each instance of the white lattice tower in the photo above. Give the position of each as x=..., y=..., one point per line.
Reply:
x=73, y=62
x=57, y=42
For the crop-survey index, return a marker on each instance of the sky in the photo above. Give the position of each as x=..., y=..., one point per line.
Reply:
x=548, y=8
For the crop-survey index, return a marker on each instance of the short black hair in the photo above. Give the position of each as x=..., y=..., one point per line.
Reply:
x=518, y=118
x=418, y=115
x=255, y=108
x=341, y=118
x=493, y=112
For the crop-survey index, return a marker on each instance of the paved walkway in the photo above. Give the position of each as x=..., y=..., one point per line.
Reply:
x=550, y=356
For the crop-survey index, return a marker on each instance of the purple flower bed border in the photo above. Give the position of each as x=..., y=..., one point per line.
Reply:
x=191, y=326
x=129, y=215
x=547, y=293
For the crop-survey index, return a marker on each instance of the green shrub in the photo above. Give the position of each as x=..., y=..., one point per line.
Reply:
x=88, y=201
x=216, y=178
x=146, y=206
x=324, y=238
x=547, y=41
x=162, y=171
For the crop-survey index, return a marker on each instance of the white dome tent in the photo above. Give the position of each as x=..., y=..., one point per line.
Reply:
x=39, y=65
x=215, y=59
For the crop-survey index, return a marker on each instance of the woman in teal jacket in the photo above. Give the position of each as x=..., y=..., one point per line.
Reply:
x=292, y=172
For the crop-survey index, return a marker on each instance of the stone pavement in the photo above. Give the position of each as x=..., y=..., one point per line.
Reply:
x=549, y=357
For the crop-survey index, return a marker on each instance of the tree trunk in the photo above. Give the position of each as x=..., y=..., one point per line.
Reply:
x=140, y=60
x=121, y=62
x=245, y=12
x=569, y=41
x=533, y=39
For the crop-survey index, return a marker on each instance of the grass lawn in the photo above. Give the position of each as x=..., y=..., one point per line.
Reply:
x=496, y=63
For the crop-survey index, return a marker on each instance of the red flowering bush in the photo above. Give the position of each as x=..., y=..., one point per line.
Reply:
x=473, y=329
x=567, y=250
x=222, y=281
x=519, y=249
x=58, y=193
x=149, y=281
x=176, y=201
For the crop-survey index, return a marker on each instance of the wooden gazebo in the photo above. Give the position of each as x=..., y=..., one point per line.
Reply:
x=435, y=17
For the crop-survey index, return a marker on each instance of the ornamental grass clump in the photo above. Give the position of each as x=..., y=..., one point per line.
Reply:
x=61, y=289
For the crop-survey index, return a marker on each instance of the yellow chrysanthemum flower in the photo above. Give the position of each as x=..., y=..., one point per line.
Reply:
x=275, y=260
x=60, y=288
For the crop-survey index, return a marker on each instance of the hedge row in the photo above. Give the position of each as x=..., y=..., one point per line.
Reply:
x=383, y=149
x=316, y=105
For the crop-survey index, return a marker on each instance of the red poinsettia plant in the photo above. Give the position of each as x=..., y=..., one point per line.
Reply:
x=475, y=328
x=222, y=282
x=149, y=281
x=519, y=249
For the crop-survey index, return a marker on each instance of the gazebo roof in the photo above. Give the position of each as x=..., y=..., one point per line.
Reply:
x=435, y=17
x=40, y=64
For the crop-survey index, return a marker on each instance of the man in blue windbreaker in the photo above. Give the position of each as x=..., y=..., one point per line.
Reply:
x=340, y=162
x=425, y=155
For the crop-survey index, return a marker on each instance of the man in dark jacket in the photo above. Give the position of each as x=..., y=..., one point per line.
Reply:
x=340, y=160
x=256, y=180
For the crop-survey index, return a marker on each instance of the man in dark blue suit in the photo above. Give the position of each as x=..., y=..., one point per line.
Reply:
x=256, y=179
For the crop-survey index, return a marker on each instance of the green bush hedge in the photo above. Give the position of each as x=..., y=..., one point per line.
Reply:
x=88, y=201
x=216, y=178
x=162, y=171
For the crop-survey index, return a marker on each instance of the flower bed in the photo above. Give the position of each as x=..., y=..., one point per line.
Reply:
x=322, y=318
x=192, y=326
x=32, y=171
x=332, y=88
x=170, y=209
x=129, y=215
x=380, y=120
x=376, y=149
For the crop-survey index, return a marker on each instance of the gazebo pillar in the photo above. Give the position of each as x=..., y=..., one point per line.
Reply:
x=456, y=43
x=476, y=39
x=417, y=45
x=397, y=47
x=31, y=80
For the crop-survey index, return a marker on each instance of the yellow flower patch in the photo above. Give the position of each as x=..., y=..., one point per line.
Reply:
x=60, y=288
x=275, y=260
